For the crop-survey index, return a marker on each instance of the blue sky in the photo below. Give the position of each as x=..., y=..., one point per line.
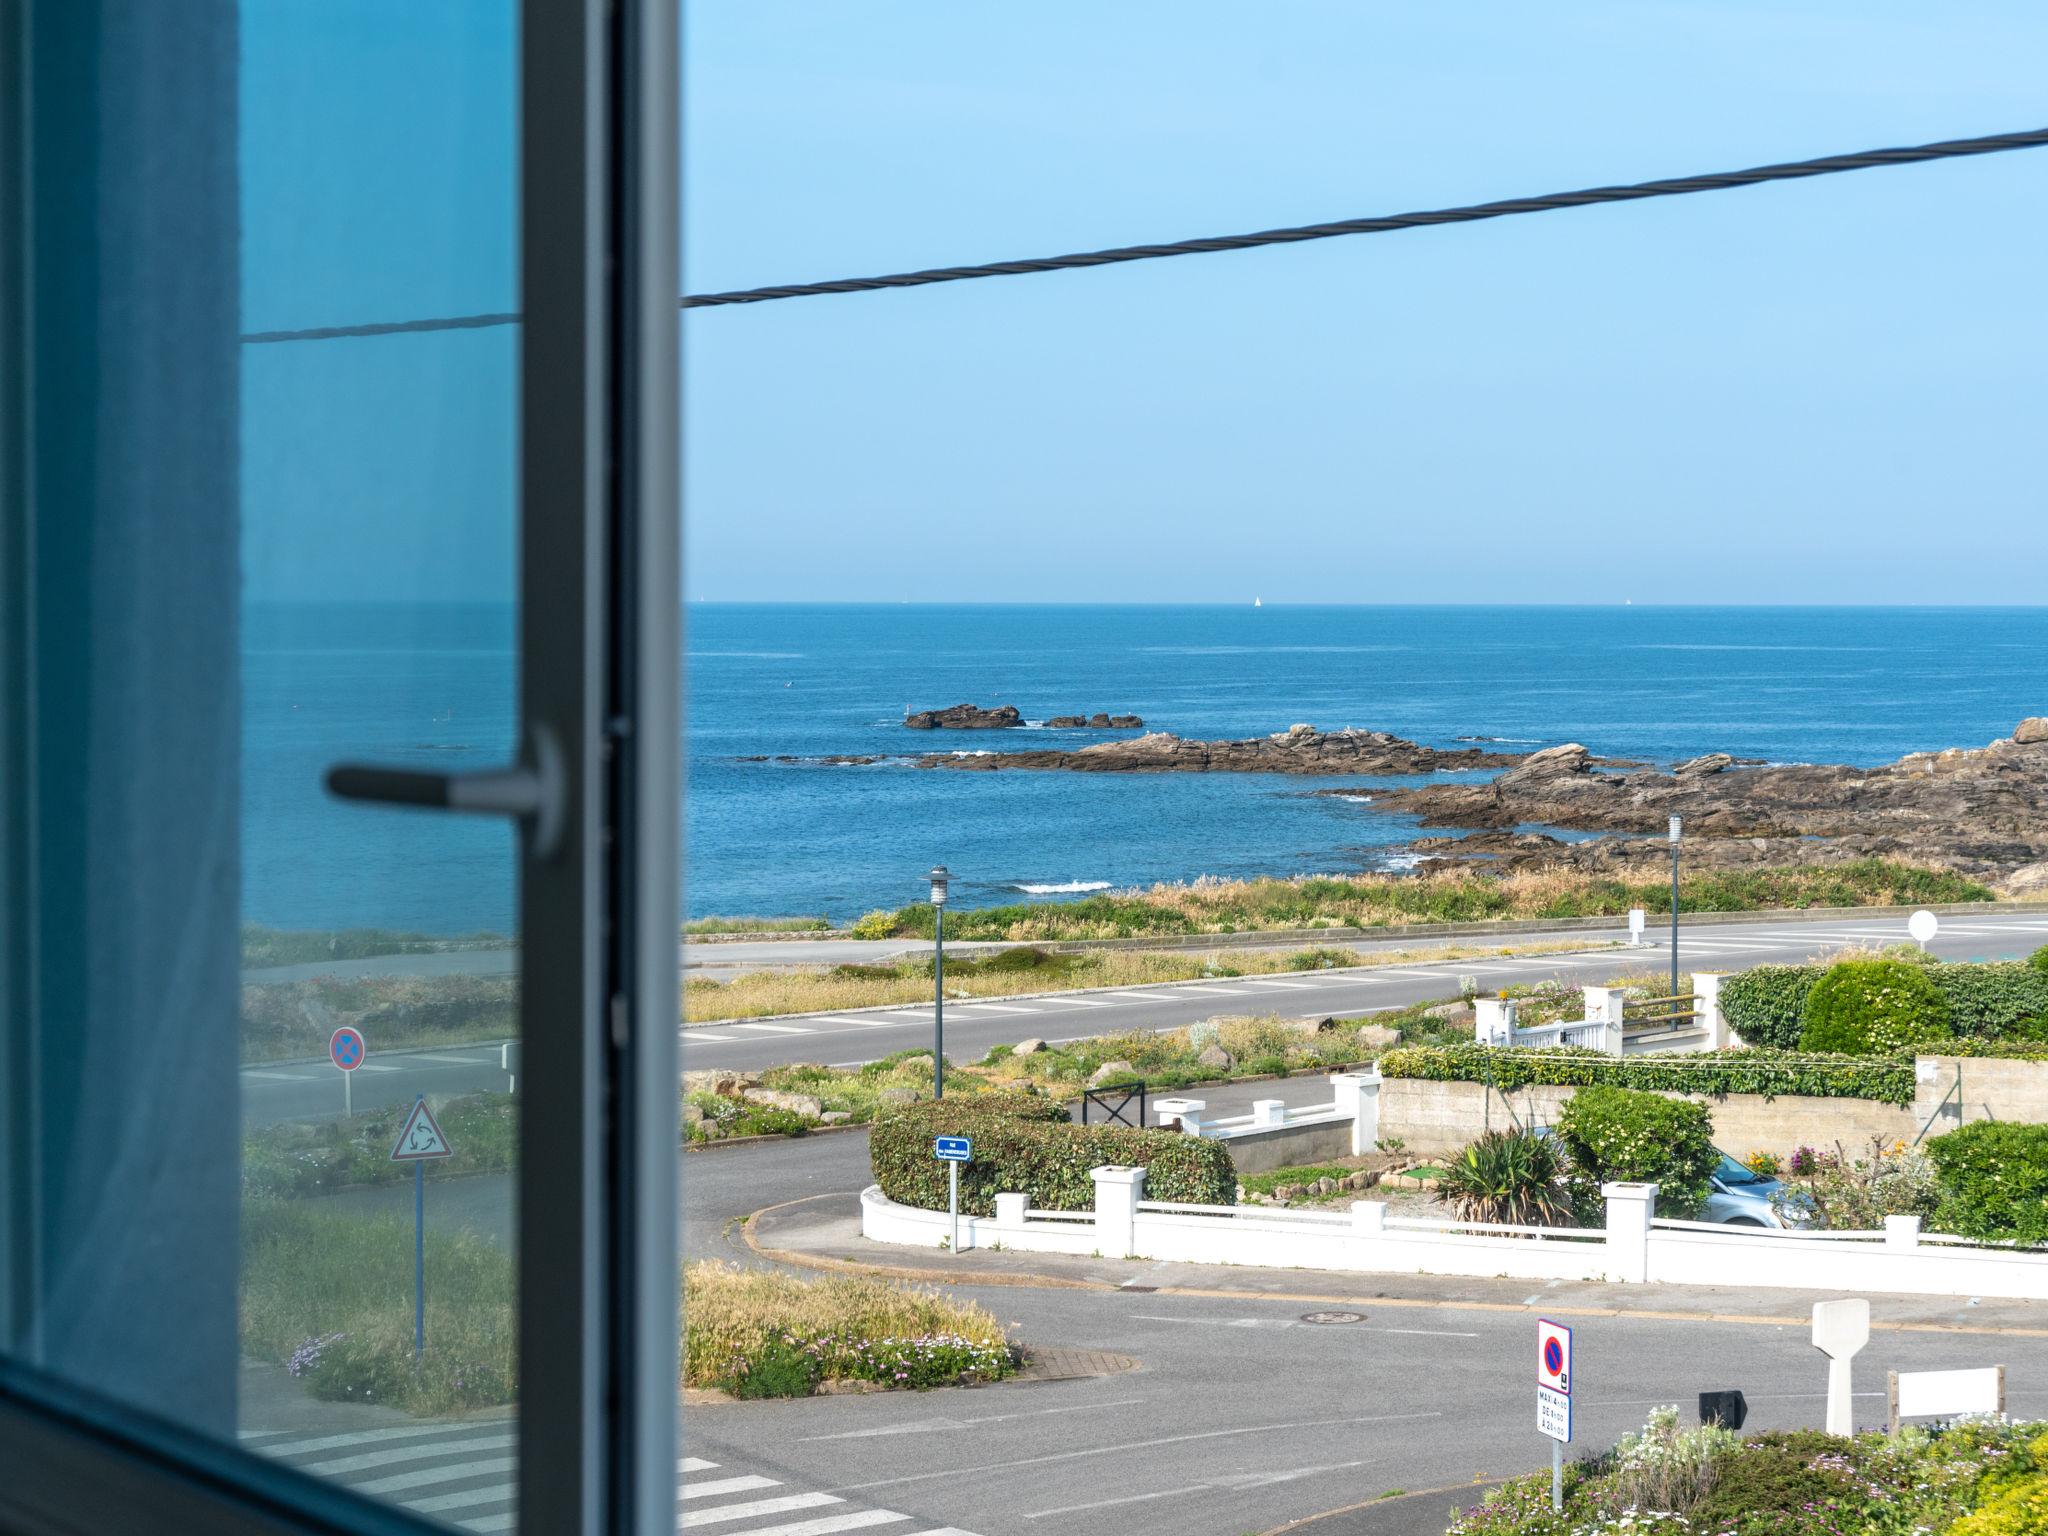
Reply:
x=1828, y=391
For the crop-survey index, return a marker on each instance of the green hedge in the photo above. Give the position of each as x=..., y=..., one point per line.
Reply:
x=1020, y=1148
x=2039, y=958
x=1770, y=1073
x=1874, y=1008
x=1621, y=1134
x=1994, y=1181
x=1766, y=1005
x=1992, y=1001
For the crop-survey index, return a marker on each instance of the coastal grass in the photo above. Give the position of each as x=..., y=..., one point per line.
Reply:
x=296, y=1158
x=701, y=926
x=329, y=1295
x=1213, y=905
x=761, y=994
x=769, y=1333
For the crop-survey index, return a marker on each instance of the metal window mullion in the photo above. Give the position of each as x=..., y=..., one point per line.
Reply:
x=600, y=657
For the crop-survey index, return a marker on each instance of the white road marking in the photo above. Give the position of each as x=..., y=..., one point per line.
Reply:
x=1083, y=1002
x=999, y=1008
x=853, y=1520
x=1303, y=986
x=411, y=1453
x=280, y=1077
x=497, y=1493
x=358, y=1437
x=1207, y=991
x=696, y=1517
x=727, y=1485
x=928, y=1426
x=776, y=1029
x=1143, y=997
x=692, y=1036
x=376, y=1066
x=1145, y=1445
x=1289, y=1322
x=427, y=1476
x=695, y=1464
x=452, y=1061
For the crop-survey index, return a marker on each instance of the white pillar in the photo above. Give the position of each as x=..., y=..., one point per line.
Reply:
x=1902, y=1232
x=1358, y=1097
x=1630, y=1209
x=1840, y=1329
x=1186, y=1113
x=1493, y=1020
x=1010, y=1210
x=1369, y=1217
x=1607, y=1008
x=1117, y=1193
x=1707, y=987
x=1269, y=1112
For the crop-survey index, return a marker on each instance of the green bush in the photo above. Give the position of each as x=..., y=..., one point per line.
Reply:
x=1027, y=1146
x=1512, y=1177
x=1874, y=1008
x=1994, y=1181
x=1993, y=1001
x=1888, y=1081
x=1619, y=1134
x=1771, y=1472
x=2039, y=958
x=1767, y=1004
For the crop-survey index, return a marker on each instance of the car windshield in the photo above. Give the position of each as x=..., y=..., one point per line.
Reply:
x=1732, y=1172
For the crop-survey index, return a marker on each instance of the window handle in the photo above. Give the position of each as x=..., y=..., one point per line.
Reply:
x=535, y=791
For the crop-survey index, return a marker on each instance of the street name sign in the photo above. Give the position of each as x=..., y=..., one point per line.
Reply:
x=1554, y=1380
x=421, y=1139
x=953, y=1149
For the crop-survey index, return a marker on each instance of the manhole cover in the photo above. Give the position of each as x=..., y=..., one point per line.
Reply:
x=1333, y=1317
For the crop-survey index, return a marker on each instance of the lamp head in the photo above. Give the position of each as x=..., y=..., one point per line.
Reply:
x=939, y=877
x=1674, y=830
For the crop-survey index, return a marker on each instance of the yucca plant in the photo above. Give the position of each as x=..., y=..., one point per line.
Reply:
x=1515, y=1178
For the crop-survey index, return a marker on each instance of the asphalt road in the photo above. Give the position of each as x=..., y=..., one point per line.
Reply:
x=312, y=1090
x=1241, y=1415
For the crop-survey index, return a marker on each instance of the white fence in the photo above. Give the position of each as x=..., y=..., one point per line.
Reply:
x=1604, y=1027
x=1632, y=1247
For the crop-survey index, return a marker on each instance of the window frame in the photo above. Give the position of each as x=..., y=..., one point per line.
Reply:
x=600, y=663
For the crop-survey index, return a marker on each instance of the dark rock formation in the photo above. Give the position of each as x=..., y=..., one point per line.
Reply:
x=965, y=717
x=1302, y=749
x=1982, y=811
x=1097, y=722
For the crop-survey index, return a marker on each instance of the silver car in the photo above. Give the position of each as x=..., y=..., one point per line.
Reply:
x=1742, y=1197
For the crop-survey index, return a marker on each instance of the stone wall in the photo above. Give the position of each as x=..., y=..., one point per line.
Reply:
x=1435, y=1118
x=1289, y=1146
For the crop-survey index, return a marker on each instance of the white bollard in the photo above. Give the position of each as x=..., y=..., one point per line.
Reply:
x=1117, y=1193
x=1902, y=1232
x=1269, y=1112
x=1630, y=1209
x=1186, y=1113
x=1369, y=1218
x=1010, y=1210
x=1840, y=1329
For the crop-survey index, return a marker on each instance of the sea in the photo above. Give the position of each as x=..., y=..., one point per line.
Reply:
x=435, y=685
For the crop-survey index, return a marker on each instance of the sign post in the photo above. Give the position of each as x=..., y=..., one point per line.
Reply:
x=345, y=1048
x=419, y=1142
x=1635, y=926
x=953, y=1151
x=1554, y=1398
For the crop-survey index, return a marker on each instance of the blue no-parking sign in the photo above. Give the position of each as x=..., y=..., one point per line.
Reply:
x=953, y=1149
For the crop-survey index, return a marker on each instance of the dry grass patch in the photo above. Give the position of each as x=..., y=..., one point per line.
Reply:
x=768, y=1333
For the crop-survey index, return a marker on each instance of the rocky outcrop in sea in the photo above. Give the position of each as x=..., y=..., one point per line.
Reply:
x=1302, y=749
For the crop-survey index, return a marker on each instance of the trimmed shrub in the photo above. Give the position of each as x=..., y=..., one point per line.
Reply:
x=1992, y=1001
x=2039, y=958
x=1874, y=1008
x=1623, y=1135
x=1888, y=1080
x=1994, y=1181
x=1767, y=1004
x=1028, y=1146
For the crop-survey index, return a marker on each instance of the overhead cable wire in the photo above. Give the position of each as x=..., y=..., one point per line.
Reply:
x=1628, y=192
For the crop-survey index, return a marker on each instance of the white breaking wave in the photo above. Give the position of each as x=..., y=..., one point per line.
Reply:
x=1059, y=887
x=1354, y=799
x=1401, y=861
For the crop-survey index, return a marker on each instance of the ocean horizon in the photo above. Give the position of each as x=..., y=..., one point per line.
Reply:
x=436, y=684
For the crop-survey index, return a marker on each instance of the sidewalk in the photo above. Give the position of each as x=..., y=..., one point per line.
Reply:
x=823, y=1232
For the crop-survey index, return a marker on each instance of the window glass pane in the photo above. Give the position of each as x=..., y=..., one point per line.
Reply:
x=379, y=158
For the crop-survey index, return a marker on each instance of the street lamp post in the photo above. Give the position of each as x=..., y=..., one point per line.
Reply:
x=1674, y=907
x=939, y=878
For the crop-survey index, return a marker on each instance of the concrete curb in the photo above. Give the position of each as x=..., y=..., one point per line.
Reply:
x=750, y=1234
